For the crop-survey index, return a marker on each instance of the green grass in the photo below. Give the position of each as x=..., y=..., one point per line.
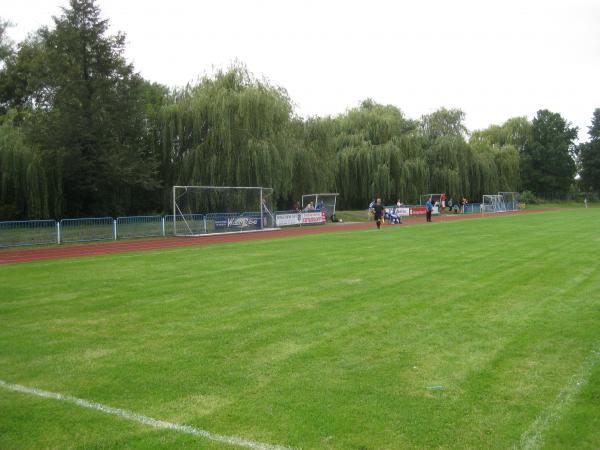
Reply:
x=562, y=204
x=361, y=215
x=323, y=341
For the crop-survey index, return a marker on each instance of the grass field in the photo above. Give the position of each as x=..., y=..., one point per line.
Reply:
x=482, y=333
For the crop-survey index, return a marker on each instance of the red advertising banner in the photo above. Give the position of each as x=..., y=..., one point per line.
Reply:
x=314, y=217
x=416, y=210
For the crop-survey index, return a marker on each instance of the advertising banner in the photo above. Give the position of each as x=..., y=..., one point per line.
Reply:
x=418, y=210
x=284, y=220
x=301, y=218
x=314, y=217
x=226, y=222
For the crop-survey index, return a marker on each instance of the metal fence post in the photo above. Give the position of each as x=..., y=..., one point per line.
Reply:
x=58, y=232
x=163, y=226
x=115, y=228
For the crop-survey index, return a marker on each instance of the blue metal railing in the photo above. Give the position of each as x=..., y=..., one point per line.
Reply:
x=87, y=229
x=28, y=232
x=185, y=225
x=39, y=232
x=140, y=226
x=472, y=208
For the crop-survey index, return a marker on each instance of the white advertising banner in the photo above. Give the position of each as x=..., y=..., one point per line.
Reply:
x=289, y=219
x=283, y=220
x=314, y=217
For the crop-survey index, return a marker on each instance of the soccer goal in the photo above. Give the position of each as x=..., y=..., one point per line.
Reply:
x=511, y=200
x=201, y=210
x=321, y=202
x=493, y=203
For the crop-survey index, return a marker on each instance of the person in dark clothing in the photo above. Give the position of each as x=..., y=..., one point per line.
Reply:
x=429, y=208
x=378, y=212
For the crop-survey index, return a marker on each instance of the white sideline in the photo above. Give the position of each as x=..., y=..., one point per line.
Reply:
x=533, y=437
x=232, y=440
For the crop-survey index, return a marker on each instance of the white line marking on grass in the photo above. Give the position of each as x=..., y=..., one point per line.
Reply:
x=233, y=440
x=533, y=437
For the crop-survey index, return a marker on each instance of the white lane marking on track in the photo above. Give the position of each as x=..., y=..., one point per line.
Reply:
x=129, y=415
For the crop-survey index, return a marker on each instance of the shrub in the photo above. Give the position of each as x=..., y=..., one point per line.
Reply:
x=529, y=197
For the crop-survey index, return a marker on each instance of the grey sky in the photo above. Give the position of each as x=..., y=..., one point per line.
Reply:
x=494, y=59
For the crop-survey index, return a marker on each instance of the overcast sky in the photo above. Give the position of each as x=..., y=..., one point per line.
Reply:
x=494, y=59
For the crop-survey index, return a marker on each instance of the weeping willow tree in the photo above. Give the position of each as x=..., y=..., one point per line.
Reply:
x=378, y=154
x=495, y=169
x=229, y=130
x=445, y=157
x=392, y=171
x=314, y=165
x=484, y=175
x=499, y=148
x=507, y=163
x=23, y=180
x=516, y=131
x=373, y=123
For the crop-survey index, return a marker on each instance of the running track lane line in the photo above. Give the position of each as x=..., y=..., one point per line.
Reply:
x=145, y=420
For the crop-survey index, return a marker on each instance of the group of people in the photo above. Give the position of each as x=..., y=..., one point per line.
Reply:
x=451, y=205
x=380, y=213
x=309, y=207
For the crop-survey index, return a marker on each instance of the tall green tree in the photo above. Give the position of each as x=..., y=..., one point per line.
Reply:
x=516, y=132
x=589, y=156
x=547, y=164
x=23, y=180
x=87, y=113
x=378, y=155
x=444, y=123
x=6, y=56
x=6, y=44
x=230, y=130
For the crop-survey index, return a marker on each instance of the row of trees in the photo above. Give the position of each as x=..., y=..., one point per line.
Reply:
x=81, y=133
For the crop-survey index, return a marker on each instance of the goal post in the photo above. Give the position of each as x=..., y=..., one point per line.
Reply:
x=201, y=210
x=511, y=200
x=493, y=203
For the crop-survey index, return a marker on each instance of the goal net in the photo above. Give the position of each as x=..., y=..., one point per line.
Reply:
x=493, y=204
x=199, y=210
x=511, y=200
x=320, y=202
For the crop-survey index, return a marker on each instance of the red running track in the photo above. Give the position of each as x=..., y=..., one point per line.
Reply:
x=105, y=248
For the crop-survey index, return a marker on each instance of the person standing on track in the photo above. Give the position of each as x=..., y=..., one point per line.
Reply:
x=378, y=212
x=428, y=208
